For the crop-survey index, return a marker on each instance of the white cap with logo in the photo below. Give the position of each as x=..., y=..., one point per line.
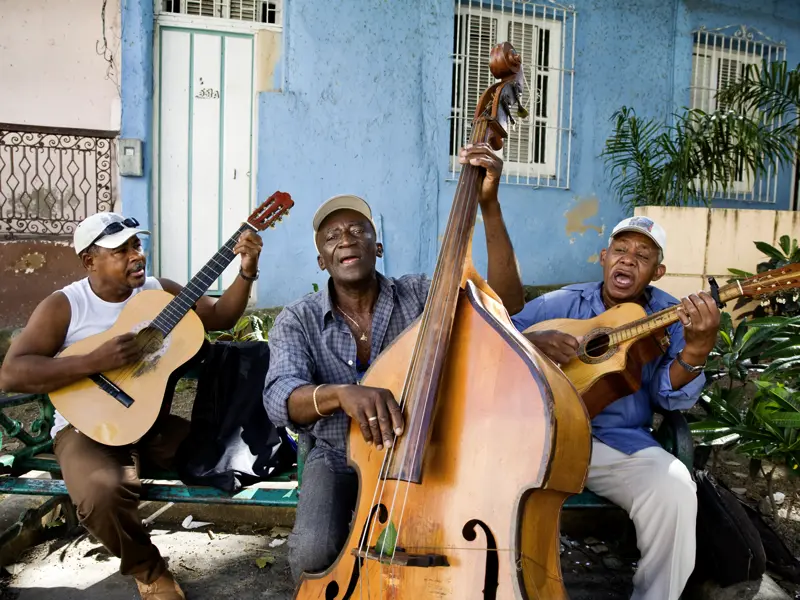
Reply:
x=342, y=202
x=106, y=229
x=645, y=226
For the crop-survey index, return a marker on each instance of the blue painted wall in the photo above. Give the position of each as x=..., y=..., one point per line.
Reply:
x=363, y=105
x=137, y=105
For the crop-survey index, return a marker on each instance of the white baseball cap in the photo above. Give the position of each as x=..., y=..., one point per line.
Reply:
x=342, y=202
x=645, y=226
x=105, y=229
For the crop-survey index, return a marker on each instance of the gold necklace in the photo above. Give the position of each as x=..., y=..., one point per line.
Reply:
x=363, y=337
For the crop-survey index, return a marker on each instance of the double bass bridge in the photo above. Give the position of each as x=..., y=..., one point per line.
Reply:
x=402, y=558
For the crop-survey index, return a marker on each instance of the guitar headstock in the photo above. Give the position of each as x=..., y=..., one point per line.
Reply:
x=771, y=282
x=271, y=211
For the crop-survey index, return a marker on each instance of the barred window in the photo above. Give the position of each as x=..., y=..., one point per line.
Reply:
x=722, y=57
x=253, y=11
x=538, y=147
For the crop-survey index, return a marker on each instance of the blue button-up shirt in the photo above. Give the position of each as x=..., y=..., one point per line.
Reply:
x=311, y=344
x=627, y=423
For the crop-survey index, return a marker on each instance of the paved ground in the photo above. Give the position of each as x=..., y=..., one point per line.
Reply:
x=248, y=564
x=226, y=567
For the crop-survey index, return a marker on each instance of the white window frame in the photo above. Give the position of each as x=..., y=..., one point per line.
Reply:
x=747, y=47
x=218, y=23
x=559, y=70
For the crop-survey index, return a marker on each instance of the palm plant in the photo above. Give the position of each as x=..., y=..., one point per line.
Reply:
x=766, y=345
x=771, y=90
x=688, y=161
x=766, y=429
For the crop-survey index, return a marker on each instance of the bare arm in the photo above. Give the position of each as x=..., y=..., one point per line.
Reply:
x=218, y=314
x=30, y=365
x=503, y=274
x=222, y=314
x=359, y=402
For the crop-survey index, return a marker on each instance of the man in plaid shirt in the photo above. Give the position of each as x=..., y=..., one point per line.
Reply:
x=322, y=344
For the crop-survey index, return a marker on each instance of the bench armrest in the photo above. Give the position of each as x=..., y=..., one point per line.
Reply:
x=675, y=437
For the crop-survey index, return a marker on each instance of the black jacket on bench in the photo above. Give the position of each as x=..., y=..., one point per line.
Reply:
x=232, y=442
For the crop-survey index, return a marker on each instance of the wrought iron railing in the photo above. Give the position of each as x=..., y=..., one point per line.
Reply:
x=52, y=178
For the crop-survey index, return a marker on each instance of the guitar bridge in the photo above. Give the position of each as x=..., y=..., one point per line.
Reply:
x=112, y=389
x=403, y=559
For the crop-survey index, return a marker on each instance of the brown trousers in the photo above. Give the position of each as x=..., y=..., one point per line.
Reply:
x=103, y=482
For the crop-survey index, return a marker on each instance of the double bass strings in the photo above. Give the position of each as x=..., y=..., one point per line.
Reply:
x=380, y=488
x=467, y=182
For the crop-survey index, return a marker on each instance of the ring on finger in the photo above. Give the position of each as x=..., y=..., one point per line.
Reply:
x=371, y=419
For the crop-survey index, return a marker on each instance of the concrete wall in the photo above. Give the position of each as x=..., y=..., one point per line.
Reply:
x=54, y=69
x=703, y=242
x=360, y=103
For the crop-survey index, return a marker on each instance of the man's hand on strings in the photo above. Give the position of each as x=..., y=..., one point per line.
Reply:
x=481, y=155
x=700, y=318
x=376, y=411
x=557, y=346
x=115, y=353
x=249, y=246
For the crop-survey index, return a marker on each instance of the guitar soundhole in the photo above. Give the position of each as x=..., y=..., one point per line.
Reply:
x=597, y=346
x=149, y=340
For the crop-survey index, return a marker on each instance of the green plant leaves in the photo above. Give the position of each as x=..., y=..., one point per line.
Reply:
x=387, y=540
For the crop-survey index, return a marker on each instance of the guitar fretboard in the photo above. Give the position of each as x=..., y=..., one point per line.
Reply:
x=662, y=318
x=168, y=318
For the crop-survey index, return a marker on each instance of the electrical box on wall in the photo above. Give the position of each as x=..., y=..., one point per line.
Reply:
x=129, y=157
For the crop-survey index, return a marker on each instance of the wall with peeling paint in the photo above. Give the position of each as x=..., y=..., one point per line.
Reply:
x=30, y=270
x=637, y=53
x=366, y=90
x=361, y=100
x=49, y=53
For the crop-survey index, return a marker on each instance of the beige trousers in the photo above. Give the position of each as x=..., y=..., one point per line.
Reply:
x=658, y=493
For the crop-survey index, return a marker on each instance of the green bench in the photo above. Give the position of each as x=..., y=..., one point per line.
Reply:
x=280, y=491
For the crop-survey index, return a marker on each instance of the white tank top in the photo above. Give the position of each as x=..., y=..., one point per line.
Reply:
x=91, y=315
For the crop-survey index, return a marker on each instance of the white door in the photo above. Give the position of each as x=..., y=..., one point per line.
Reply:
x=204, y=148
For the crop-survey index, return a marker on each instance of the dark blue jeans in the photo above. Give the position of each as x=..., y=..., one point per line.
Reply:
x=324, y=513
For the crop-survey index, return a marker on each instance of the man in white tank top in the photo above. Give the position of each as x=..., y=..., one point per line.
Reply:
x=103, y=481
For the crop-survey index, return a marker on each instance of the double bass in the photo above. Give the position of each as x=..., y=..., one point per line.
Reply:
x=466, y=503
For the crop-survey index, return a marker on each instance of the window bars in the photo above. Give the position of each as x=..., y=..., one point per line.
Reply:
x=252, y=11
x=721, y=57
x=537, y=151
x=53, y=178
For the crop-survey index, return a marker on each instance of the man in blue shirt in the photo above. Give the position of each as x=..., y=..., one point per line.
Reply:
x=628, y=466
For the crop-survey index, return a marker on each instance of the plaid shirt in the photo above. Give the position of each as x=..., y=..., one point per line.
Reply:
x=311, y=344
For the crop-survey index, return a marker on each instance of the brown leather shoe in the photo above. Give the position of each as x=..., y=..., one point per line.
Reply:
x=163, y=588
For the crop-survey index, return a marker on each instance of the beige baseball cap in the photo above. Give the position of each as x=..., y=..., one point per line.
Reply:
x=341, y=202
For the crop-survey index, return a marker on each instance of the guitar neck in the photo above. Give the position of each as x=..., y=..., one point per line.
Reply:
x=663, y=318
x=199, y=284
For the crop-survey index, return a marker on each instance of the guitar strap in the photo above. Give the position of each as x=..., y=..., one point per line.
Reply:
x=715, y=292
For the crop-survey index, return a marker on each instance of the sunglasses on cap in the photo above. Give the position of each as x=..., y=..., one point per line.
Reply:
x=116, y=227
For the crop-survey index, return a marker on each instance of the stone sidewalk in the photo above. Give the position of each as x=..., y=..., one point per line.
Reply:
x=250, y=564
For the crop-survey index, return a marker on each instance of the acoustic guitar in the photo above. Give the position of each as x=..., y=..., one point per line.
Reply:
x=118, y=407
x=616, y=344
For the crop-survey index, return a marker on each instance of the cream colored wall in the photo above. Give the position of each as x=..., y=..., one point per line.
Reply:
x=703, y=242
x=50, y=71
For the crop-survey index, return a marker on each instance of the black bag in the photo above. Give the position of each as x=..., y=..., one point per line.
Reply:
x=729, y=548
x=231, y=442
